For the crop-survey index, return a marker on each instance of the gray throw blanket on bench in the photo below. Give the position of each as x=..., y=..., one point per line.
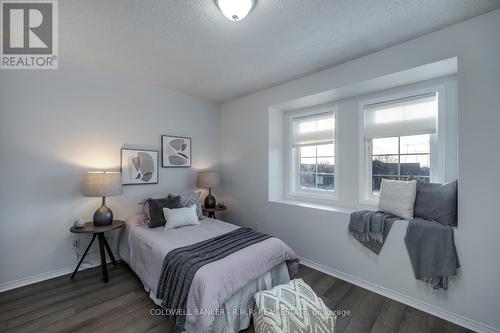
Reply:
x=432, y=252
x=430, y=245
x=180, y=266
x=371, y=228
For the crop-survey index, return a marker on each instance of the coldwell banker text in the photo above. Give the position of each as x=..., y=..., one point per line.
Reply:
x=29, y=34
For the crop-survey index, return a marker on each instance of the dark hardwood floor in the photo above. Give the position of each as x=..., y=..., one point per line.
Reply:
x=88, y=305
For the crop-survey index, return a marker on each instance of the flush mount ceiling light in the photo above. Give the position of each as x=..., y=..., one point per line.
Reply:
x=235, y=10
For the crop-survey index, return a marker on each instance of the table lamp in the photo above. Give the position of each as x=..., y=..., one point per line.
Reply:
x=102, y=184
x=209, y=179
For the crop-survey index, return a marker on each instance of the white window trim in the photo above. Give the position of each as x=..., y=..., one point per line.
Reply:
x=291, y=190
x=437, y=146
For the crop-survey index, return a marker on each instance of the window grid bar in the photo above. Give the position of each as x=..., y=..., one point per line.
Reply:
x=316, y=168
x=399, y=155
x=396, y=176
x=315, y=173
x=393, y=154
x=318, y=173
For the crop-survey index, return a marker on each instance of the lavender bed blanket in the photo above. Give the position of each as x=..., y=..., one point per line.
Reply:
x=145, y=249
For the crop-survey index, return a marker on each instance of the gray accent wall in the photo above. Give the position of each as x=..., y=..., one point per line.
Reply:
x=57, y=124
x=320, y=235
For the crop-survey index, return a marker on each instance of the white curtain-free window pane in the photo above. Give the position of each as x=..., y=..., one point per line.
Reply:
x=326, y=165
x=385, y=146
x=415, y=165
x=326, y=150
x=325, y=182
x=308, y=181
x=412, y=158
x=325, y=160
x=308, y=164
x=313, y=130
x=384, y=165
x=408, y=116
x=308, y=151
x=415, y=144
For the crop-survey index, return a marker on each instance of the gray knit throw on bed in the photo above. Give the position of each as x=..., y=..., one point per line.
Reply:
x=180, y=266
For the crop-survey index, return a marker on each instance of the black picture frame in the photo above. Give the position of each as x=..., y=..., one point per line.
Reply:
x=165, y=165
x=157, y=161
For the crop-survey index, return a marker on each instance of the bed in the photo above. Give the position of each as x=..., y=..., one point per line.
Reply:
x=220, y=297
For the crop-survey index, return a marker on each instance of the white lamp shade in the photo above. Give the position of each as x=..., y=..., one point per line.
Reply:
x=102, y=184
x=208, y=179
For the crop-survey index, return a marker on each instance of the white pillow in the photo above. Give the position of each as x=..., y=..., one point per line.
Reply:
x=180, y=217
x=398, y=197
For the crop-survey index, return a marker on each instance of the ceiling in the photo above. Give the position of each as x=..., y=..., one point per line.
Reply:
x=189, y=46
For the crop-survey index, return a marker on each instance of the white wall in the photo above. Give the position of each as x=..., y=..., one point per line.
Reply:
x=57, y=124
x=321, y=236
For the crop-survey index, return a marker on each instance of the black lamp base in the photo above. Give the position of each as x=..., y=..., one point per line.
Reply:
x=210, y=200
x=103, y=216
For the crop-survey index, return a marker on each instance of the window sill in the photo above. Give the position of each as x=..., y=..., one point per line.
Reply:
x=332, y=208
x=321, y=197
x=373, y=204
x=325, y=207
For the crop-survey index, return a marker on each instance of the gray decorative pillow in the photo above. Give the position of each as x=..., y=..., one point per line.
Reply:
x=305, y=311
x=191, y=198
x=437, y=202
x=156, y=217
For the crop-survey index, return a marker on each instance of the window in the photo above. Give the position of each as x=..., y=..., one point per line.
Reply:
x=317, y=164
x=399, y=135
x=400, y=157
x=312, y=154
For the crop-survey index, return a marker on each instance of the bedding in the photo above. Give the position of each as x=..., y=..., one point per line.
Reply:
x=180, y=266
x=144, y=249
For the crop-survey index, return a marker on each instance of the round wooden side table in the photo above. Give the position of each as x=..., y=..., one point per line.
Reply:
x=211, y=211
x=98, y=232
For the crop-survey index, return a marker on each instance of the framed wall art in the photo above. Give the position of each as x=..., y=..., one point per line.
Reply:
x=139, y=166
x=176, y=151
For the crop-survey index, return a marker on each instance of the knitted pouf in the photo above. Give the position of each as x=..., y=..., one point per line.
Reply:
x=292, y=308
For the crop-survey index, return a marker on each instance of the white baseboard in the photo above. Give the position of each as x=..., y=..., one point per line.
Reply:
x=431, y=309
x=48, y=275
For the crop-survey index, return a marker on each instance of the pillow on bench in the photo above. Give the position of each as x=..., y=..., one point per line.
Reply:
x=398, y=197
x=437, y=202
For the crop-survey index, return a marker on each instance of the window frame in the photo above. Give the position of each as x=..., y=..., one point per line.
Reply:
x=292, y=165
x=437, y=142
